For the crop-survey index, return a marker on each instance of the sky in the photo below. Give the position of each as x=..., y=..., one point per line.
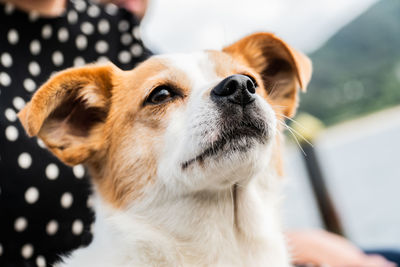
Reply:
x=191, y=25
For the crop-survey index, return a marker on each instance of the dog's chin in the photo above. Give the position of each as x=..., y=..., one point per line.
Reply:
x=226, y=162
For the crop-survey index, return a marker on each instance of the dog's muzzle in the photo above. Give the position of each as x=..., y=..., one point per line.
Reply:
x=241, y=122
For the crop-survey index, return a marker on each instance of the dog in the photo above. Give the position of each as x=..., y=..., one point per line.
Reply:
x=183, y=152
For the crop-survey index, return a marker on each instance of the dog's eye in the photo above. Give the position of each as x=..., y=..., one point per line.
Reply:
x=160, y=95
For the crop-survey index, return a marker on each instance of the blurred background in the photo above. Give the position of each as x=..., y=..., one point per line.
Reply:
x=354, y=98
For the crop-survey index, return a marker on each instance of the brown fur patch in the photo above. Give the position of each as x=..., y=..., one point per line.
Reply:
x=135, y=130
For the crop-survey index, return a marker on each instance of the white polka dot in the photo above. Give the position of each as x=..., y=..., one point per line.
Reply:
x=41, y=143
x=89, y=202
x=20, y=224
x=18, y=102
x=27, y=251
x=11, y=133
x=33, y=16
x=29, y=85
x=35, y=47
x=31, y=195
x=66, y=200
x=58, y=58
x=24, y=160
x=103, y=27
x=79, y=61
x=12, y=36
x=63, y=34
x=72, y=17
x=5, y=79
x=81, y=42
x=102, y=59
x=80, y=5
x=6, y=60
x=79, y=171
x=126, y=39
x=93, y=11
x=123, y=26
x=101, y=47
x=34, y=68
x=52, y=171
x=40, y=261
x=136, y=32
x=10, y=114
x=111, y=9
x=124, y=57
x=77, y=227
x=136, y=50
x=87, y=28
x=47, y=31
x=9, y=8
x=52, y=227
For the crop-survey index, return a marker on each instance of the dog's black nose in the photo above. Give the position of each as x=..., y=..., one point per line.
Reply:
x=238, y=89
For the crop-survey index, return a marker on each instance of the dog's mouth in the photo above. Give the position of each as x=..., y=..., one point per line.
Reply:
x=238, y=138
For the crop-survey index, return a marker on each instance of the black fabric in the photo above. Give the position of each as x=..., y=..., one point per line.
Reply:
x=44, y=206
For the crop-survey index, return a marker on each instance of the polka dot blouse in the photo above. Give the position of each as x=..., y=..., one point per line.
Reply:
x=44, y=205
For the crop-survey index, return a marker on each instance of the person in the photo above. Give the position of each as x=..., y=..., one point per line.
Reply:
x=44, y=205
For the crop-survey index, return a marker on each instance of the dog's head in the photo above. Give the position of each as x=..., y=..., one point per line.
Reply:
x=187, y=122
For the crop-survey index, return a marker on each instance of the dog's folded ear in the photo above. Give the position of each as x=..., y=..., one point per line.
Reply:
x=68, y=112
x=283, y=69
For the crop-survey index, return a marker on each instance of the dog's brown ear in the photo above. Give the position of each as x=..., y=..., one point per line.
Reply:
x=282, y=68
x=69, y=111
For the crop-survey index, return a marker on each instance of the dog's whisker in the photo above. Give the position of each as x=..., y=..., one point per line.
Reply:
x=300, y=135
x=273, y=89
x=278, y=106
x=295, y=138
x=294, y=121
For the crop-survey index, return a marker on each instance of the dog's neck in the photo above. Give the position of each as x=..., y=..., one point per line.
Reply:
x=222, y=226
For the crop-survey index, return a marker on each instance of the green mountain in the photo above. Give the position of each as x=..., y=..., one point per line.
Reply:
x=357, y=71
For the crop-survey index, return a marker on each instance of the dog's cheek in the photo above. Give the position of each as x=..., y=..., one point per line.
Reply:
x=130, y=163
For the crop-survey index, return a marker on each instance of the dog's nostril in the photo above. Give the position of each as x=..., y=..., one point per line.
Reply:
x=230, y=87
x=250, y=86
x=226, y=88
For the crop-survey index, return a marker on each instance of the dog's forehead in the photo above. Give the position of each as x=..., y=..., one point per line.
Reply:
x=198, y=67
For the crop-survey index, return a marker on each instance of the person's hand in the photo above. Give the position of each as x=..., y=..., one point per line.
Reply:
x=322, y=248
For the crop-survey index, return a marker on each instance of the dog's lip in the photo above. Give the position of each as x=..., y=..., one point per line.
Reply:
x=218, y=146
x=208, y=152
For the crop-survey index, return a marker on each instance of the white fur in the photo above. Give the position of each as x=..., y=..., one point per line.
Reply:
x=221, y=214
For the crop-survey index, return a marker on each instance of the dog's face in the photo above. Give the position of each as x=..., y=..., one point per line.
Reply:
x=217, y=123
x=188, y=122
